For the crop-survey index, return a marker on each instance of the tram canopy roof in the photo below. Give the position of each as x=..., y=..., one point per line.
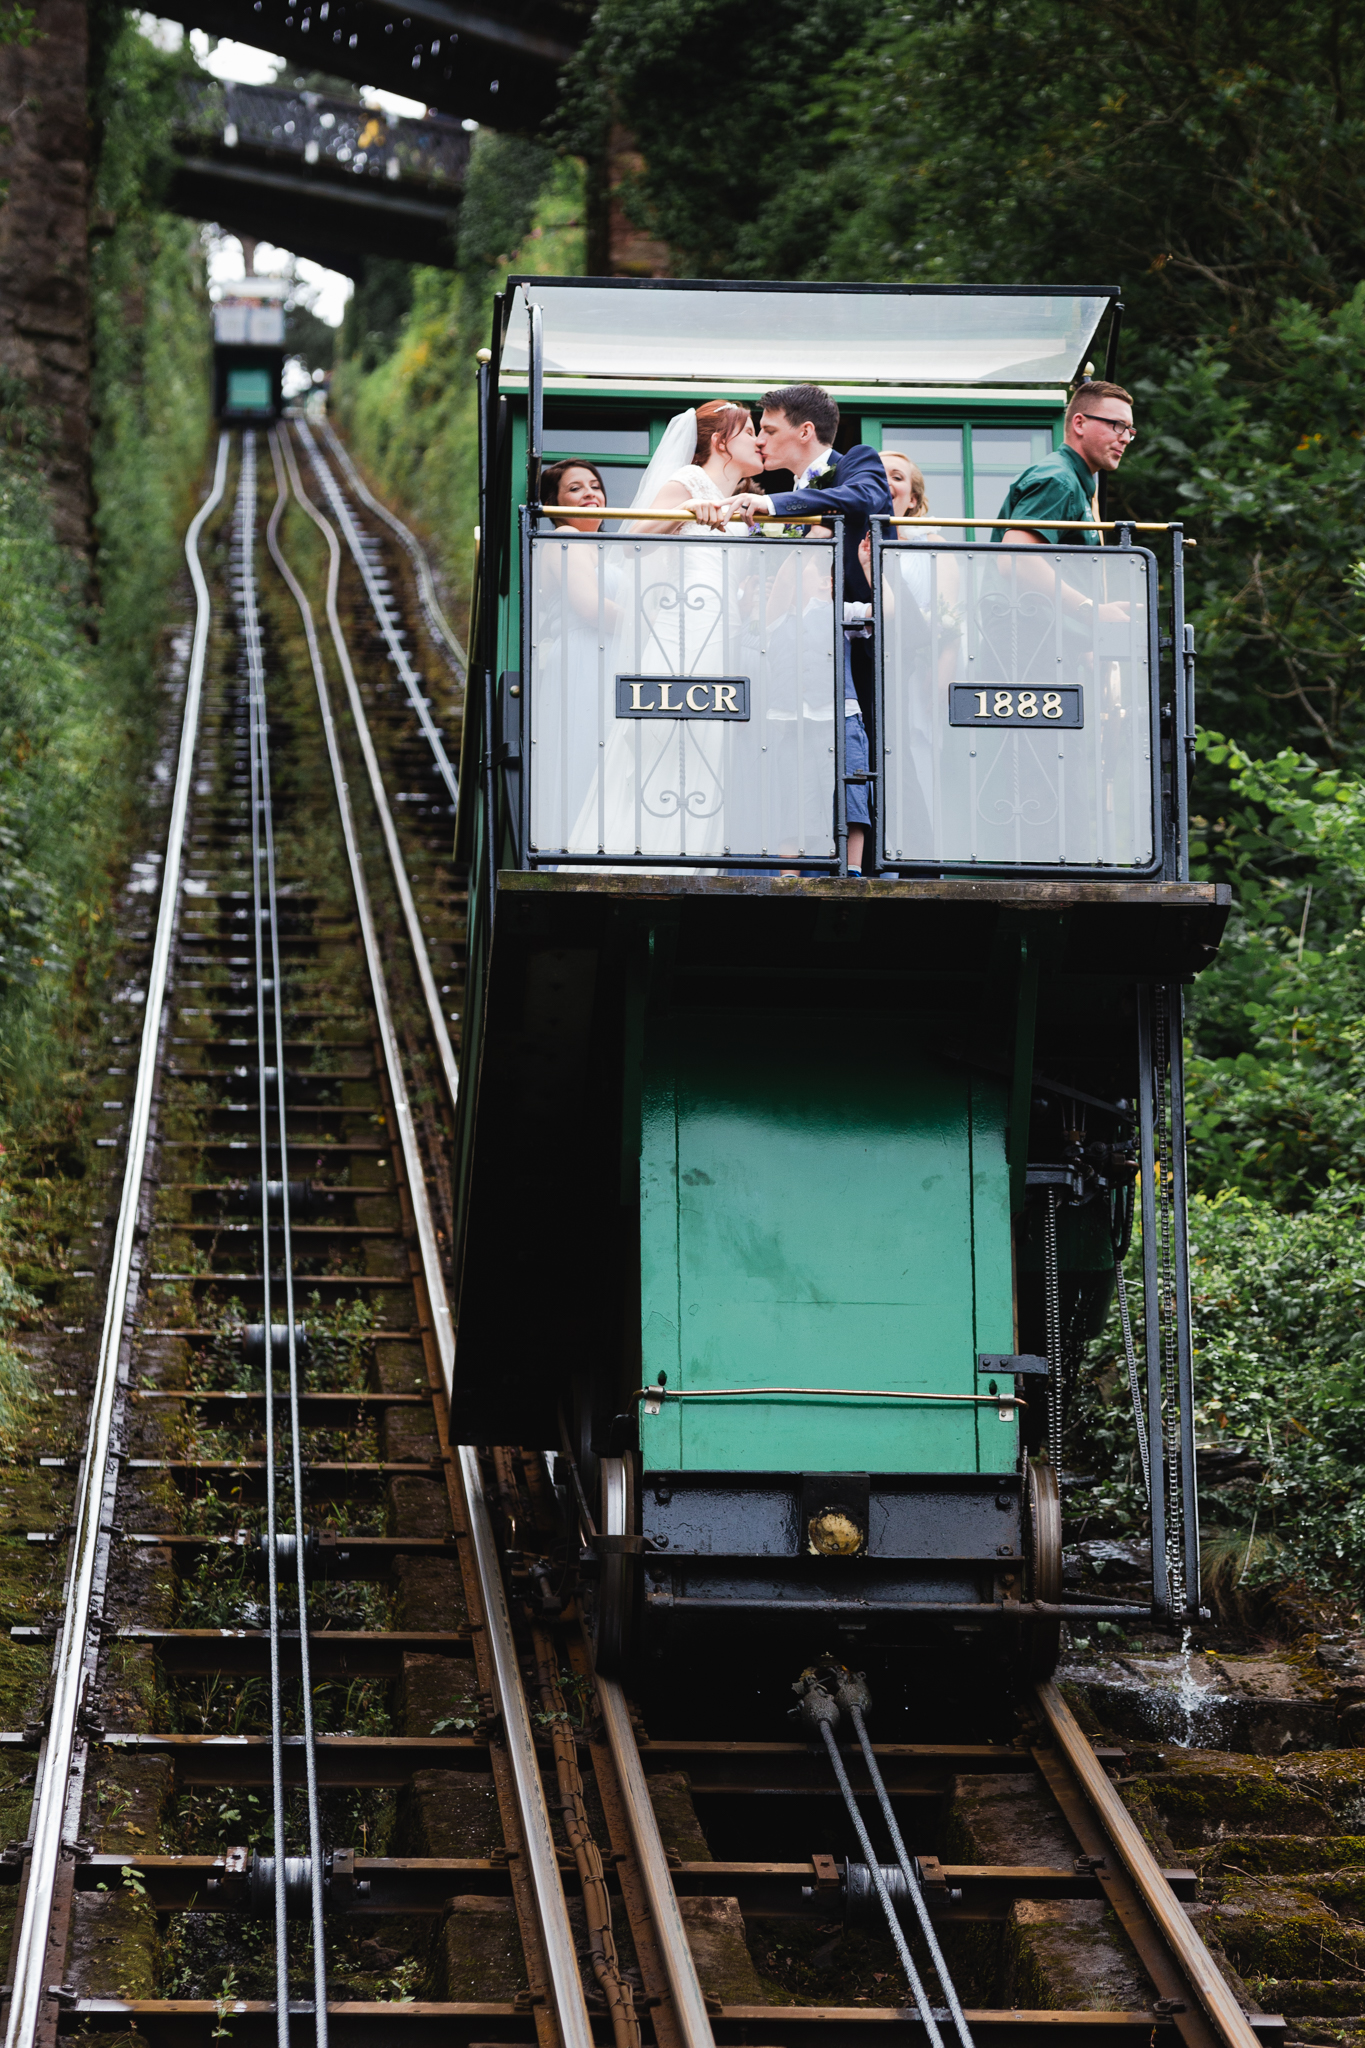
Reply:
x=758, y=334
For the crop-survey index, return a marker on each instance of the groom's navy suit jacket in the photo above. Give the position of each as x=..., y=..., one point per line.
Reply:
x=859, y=489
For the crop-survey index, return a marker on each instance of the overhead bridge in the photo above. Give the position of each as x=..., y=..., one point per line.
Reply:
x=328, y=178
x=498, y=61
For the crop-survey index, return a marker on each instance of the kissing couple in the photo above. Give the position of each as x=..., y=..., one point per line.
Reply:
x=706, y=464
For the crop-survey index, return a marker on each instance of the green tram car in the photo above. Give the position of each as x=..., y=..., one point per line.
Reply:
x=787, y=1202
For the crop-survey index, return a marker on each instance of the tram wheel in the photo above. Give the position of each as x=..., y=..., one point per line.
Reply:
x=618, y=1585
x=1044, y=1641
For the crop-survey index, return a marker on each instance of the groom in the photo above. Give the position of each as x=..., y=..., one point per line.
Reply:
x=797, y=433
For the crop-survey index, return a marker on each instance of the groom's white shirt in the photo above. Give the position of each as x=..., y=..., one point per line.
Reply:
x=803, y=482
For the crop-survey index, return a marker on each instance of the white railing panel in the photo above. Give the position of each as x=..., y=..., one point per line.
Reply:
x=737, y=637
x=1018, y=693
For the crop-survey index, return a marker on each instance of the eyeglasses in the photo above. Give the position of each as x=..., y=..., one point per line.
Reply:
x=1120, y=427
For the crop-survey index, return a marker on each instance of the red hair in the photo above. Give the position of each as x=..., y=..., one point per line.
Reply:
x=718, y=420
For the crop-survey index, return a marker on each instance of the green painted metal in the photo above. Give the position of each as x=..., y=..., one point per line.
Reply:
x=822, y=1203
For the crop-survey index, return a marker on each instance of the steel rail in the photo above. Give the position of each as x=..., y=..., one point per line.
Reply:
x=263, y=816
x=55, y=1793
x=417, y=554
x=552, y=1914
x=689, y=2000
x=1195, y=1963
x=416, y=936
x=411, y=681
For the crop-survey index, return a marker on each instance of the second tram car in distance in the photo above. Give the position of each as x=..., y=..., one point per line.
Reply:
x=248, y=350
x=786, y=1202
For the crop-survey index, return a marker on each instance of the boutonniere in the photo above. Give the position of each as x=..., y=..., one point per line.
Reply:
x=819, y=480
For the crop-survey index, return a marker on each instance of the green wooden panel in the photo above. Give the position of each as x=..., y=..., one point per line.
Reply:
x=821, y=1205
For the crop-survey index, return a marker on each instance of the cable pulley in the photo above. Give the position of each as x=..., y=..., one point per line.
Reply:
x=287, y=1553
x=253, y=1342
x=302, y=1197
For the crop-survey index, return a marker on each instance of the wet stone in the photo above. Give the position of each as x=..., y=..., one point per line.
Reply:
x=450, y=1813
x=1256, y=1705
x=670, y=1794
x=1064, y=1952
x=410, y=1434
x=419, y=1507
x=127, y=1688
x=387, y=1257
x=1322, y=1998
x=1277, y=1931
x=438, y=1689
x=401, y=1369
x=715, y=1932
x=480, y=1950
x=113, y=1946
x=429, y=1594
x=125, y=1797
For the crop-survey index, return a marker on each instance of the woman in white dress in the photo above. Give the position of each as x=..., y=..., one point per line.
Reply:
x=662, y=788
x=724, y=459
x=576, y=623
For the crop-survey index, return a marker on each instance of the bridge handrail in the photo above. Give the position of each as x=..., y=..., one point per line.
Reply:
x=344, y=134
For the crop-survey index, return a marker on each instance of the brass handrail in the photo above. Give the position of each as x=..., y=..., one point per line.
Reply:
x=678, y=516
x=1028, y=525
x=615, y=512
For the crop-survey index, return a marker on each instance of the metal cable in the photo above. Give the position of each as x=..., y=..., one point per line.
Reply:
x=566, y=1987
x=874, y=1871
x=1170, y=1405
x=912, y=1884
x=267, y=913
x=1052, y=1303
x=244, y=526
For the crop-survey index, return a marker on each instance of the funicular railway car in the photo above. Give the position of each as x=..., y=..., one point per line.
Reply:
x=787, y=1201
x=248, y=350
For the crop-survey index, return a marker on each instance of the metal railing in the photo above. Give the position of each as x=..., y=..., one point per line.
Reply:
x=342, y=135
x=683, y=701
x=1019, y=712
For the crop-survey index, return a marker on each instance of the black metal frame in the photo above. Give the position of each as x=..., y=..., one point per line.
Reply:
x=1169, y=819
x=835, y=864
x=1166, y=1321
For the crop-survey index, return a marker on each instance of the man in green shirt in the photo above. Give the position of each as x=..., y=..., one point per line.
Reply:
x=1099, y=427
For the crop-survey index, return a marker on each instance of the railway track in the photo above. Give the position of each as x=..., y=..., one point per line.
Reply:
x=326, y=1743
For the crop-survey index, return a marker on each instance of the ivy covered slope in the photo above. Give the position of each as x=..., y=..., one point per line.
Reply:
x=78, y=652
x=403, y=388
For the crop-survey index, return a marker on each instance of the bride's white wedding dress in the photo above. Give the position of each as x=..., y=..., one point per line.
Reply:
x=662, y=785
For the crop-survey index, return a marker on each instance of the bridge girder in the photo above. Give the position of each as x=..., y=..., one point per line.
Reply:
x=497, y=63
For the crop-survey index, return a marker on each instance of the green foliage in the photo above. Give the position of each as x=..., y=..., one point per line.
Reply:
x=1207, y=159
x=1280, y=1321
x=76, y=712
x=1210, y=157
x=376, y=310
x=1276, y=1081
x=1269, y=476
x=507, y=179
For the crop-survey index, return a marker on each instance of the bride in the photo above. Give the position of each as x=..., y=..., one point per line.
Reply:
x=661, y=788
x=707, y=454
